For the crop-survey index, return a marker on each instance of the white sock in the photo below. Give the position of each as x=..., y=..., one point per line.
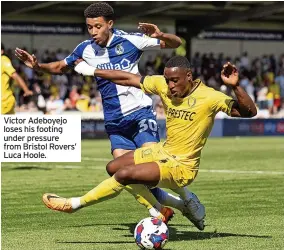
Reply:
x=75, y=202
x=155, y=213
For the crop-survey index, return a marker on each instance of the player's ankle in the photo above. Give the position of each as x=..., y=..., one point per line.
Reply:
x=76, y=203
x=155, y=212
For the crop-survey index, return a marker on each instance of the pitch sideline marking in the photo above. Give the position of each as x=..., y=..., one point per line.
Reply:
x=100, y=167
x=228, y=171
x=95, y=159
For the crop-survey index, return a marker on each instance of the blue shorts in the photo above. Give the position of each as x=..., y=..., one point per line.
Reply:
x=133, y=130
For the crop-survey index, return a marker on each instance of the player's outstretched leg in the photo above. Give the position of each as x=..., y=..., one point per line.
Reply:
x=108, y=189
x=71, y=205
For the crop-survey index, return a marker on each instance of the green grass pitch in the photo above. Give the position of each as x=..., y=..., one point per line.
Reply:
x=241, y=183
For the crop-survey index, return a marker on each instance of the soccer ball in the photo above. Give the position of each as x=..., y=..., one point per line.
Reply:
x=151, y=233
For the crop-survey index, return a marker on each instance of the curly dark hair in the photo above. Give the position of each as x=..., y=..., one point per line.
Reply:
x=178, y=61
x=99, y=9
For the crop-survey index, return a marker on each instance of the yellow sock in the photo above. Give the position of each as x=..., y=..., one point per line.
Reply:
x=107, y=189
x=142, y=194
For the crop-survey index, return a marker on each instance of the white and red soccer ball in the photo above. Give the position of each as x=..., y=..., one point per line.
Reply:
x=151, y=233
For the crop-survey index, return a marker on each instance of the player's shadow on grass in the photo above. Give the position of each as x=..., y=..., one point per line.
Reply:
x=30, y=168
x=97, y=242
x=179, y=234
x=176, y=233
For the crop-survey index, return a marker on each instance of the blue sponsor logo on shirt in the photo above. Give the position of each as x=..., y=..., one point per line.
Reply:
x=122, y=65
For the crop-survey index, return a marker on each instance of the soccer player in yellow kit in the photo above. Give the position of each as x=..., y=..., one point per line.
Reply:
x=190, y=110
x=7, y=98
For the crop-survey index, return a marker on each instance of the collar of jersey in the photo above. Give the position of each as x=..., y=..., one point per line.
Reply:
x=198, y=83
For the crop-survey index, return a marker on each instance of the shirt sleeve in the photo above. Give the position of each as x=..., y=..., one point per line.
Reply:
x=76, y=54
x=222, y=102
x=153, y=84
x=143, y=42
x=8, y=67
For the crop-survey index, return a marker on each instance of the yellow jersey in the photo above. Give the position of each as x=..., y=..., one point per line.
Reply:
x=7, y=70
x=189, y=120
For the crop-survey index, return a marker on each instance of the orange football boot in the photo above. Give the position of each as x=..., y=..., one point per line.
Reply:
x=168, y=214
x=55, y=202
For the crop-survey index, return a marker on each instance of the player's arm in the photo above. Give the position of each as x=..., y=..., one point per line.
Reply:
x=116, y=76
x=22, y=84
x=166, y=40
x=244, y=106
x=149, y=84
x=58, y=67
x=11, y=72
x=119, y=77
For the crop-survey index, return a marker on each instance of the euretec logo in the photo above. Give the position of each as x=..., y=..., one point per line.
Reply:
x=122, y=65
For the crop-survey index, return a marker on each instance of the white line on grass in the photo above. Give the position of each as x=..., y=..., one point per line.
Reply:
x=240, y=171
x=208, y=170
x=80, y=167
x=226, y=171
x=95, y=159
x=101, y=167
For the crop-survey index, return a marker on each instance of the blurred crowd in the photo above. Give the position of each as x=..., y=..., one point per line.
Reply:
x=261, y=77
x=54, y=94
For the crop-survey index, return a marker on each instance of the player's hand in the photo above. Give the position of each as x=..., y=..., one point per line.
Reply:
x=28, y=59
x=150, y=30
x=28, y=93
x=230, y=74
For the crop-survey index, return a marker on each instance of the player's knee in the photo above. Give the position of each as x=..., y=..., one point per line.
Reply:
x=124, y=176
x=111, y=168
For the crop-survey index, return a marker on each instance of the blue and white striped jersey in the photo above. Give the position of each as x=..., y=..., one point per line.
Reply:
x=121, y=53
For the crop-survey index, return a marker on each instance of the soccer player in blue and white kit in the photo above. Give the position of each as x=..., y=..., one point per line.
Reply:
x=128, y=114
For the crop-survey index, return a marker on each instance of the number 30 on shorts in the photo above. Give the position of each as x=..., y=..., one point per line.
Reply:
x=145, y=124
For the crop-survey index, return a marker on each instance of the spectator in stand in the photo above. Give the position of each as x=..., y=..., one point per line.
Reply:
x=274, y=88
x=262, y=97
x=74, y=96
x=250, y=90
x=265, y=63
x=273, y=63
x=220, y=62
x=54, y=105
x=244, y=81
x=280, y=81
x=281, y=62
x=245, y=62
x=197, y=64
x=211, y=82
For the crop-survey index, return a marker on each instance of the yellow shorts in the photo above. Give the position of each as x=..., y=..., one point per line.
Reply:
x=8, y=106
x=173, y=174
